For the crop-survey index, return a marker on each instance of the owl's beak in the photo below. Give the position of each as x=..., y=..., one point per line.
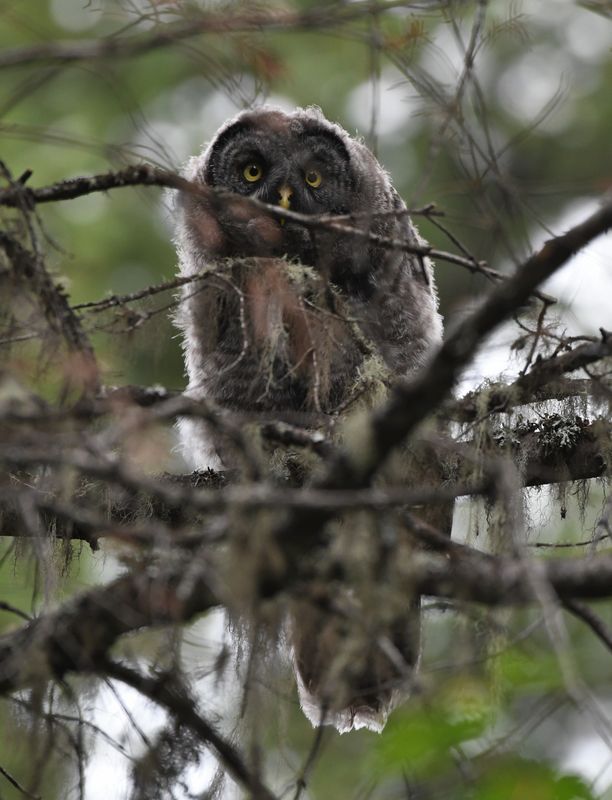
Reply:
x=285, y=193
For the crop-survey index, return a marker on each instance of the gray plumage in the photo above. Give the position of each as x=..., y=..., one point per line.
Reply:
x=270, y=337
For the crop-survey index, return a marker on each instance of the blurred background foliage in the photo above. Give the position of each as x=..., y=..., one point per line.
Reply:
x=505, y=156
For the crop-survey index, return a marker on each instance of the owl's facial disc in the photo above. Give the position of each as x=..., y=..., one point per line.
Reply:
x=304, y=168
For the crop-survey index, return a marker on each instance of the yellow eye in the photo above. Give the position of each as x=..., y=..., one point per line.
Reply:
x=313, y=178
x=252, y=172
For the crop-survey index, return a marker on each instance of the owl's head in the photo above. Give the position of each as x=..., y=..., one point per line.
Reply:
x=298, y=160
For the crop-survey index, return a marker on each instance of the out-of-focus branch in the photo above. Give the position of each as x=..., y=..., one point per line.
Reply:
x=182, y=492
x=159, y=403
x=170, y=34
x=590, y=618
x=78, y=635
x=182, y=498
x=29, y=270
x=165, y=692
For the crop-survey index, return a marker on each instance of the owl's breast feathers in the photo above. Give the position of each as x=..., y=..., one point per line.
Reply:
x=270, y=336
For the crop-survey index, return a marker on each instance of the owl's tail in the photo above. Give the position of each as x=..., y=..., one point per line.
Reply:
x=351, y=677
x=353, y=717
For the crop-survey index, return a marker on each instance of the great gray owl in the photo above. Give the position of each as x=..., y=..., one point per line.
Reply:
x=273, y=327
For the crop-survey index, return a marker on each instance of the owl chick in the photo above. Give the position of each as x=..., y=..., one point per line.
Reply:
x=271, y=326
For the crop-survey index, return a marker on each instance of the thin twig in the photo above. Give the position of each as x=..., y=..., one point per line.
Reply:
x=145, y=175
x=588, y=616
x=4, y=606
x=214, y=23
x=161, y=691
x=14, y=782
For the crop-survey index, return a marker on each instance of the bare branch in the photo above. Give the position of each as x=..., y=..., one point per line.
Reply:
x=14, y=782
x=13, y=610
x=140, y=175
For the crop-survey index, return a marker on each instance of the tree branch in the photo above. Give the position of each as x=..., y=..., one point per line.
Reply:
x=146, y=175
x=170, y=34
x=526, y=388
x=412, y=401
x=78, y=635
x=590, y=618
x=181, y=499
x=164, y=691
x=505, y=581
x=30, y=271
